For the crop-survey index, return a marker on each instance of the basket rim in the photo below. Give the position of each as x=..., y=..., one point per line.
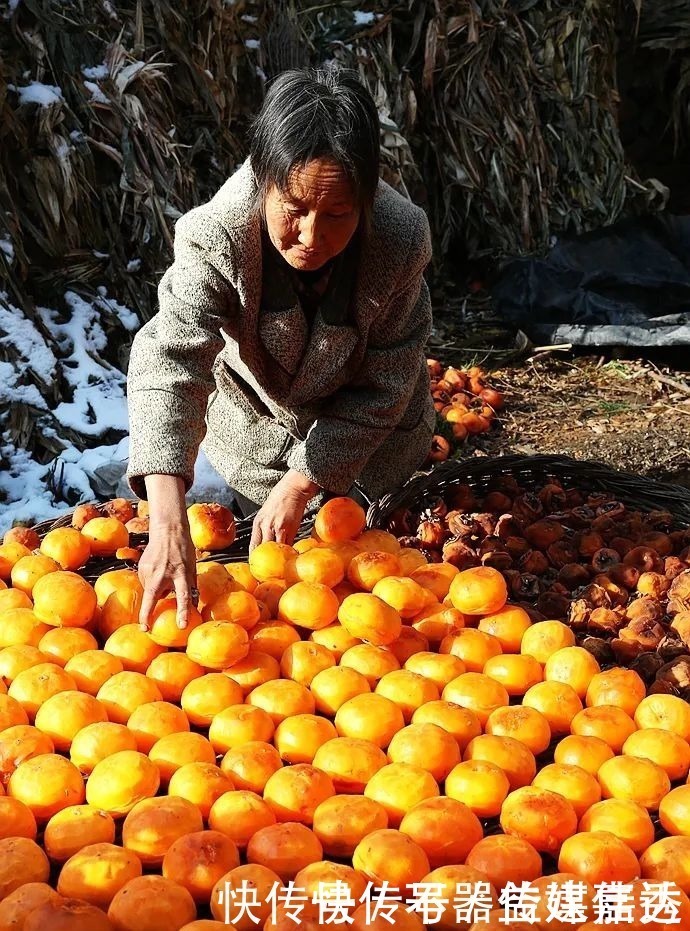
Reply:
x=643, y=491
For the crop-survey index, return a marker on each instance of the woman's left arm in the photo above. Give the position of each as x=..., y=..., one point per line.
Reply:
x=362, y=414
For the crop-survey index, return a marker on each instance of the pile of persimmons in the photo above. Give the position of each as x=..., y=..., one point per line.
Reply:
x=337, y=711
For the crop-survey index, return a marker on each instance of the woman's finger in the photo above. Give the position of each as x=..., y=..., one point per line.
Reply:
x=183, y=598
x=148, y=603
x=257, y=535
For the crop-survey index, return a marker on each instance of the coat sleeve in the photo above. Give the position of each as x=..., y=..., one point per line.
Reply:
x=170, y=373
x=362, y=414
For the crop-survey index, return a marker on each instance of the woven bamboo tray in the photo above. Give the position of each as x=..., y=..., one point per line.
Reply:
x=481, y=475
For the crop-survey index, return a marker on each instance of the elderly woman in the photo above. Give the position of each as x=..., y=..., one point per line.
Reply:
x=290, y=334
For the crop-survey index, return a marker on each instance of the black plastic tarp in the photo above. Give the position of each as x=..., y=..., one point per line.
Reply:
x=624, y=285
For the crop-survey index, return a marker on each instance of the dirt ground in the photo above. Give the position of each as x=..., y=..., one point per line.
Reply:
x=623, y=413
x=631, y=414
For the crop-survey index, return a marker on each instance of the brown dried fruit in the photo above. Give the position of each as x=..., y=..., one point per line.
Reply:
x=432, y=533
x=574, y=498
x=673, y=566
x=605, y=559
x=647, y=635
x=120, y=508
x=463, y=498
x=679, y=593
x=677, y=672
x=671, y=646
x=647, y=665
x=606, y=526
x=605, y=619
x=626, y=651
x=621, y=545
x=644, y=610
x=588, y=543
x=581, y=518
x=431, y=555
x=553, y=605
x=517, y=546
x=579, y=614
x=662, y=687
x=527, y=508
x=459, y=554
x=543, y=533
x=625, y=576
x=600, y=649
x=619, y=596
x=436, y=508
x=612, y=509
x=498, y=502
x=533, y=562
x=462, y=525
x=596, y=596
x=660, y=520
x=526, y=587
x=497, y=559
x=486, y=523
x=645, y=559
x=506, y=483
x=654, y=584
x=553, y=496
x=661, y=542
x=411, y=543
x=681, y=625
x=597, y=499
x=507, y=526
x=573, y=576
x=561, y=553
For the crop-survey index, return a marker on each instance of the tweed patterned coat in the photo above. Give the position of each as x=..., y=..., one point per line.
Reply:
x=231, y=361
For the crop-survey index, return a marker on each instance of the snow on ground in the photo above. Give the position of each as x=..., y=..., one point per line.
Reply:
x=45, y=95
x=94, y=405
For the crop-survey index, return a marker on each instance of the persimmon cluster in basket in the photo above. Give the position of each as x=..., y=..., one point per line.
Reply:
x=465, y=400
x=341, y=711
x=612, y=572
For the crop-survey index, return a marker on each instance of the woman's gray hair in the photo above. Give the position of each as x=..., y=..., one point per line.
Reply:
x=317, y=114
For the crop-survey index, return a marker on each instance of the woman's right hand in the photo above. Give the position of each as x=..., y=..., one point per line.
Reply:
x=168, y=563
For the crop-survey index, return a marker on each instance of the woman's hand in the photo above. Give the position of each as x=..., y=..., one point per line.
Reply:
x=169, y=561
x=282, y=513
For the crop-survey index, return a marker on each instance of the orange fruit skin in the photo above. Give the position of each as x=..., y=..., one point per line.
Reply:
x=148, y=903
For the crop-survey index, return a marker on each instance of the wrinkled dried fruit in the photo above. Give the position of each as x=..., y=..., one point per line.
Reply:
x=588, y=543
x=553, y=605
x=600, y=649
x=533, y=562
x=432, y=533
x=647, y=665
x=645, y=559
x=644, y=609
x=605, y=559
x=654, y=584
x=605, y=619
x=527, y=508
x=462, y=525
x=459, y=554
x=526, y=587
x=673, y=566
x=573, y=576
x=660, y=542
x=498, y=502
x=517, y=546
x=543, y=533
x=677, y=672
x=679, y=593
x=561, y=553
x=625, y=576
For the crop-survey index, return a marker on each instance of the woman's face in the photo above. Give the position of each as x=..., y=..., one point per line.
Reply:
x=312, y=221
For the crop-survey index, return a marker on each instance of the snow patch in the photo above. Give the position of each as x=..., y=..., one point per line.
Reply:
x=7, y=247
x=97, y=95
x=363, y=18
x=45, y=95
x=252, y=44
x=96, y=73
x=18, y=331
